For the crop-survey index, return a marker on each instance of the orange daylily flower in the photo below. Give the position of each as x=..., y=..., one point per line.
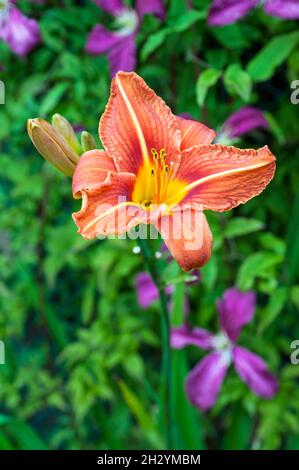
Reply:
x=156, y=167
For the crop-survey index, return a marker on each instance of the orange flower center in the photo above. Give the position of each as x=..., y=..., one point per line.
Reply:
x=155, y=184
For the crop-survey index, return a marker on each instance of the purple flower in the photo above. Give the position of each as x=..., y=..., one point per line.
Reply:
x=183, y=336
x=19, y=32
x=203, y=383
x=244, y=120
x=224, y=12
x=288, y=9
x=120, y=44
x=151, y=7
x=228, y=11
x=147, y=292
x=114, y=7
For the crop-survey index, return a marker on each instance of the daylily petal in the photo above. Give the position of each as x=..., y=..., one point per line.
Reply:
x=154, y=7
x=236, y=309
x=222, y=177
x=288, y=9
x=91, y=170
x=254, y=372
x=194, y=133
x=224, y=12
x=114, y=7
x=100, y=40
x=122, y=56
x=188, y=237
x=106, y=210
x=204, y=381
x=244, y=120
x=136, y=120
x=184, y=336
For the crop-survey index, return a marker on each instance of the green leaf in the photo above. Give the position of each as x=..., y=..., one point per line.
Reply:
x=52, y=99
x=25, y=436
x=5, y=444
x=237, y=82
x=231, y=36
x=292, y=255
x=178, y=299
x=56, y=326
x=242, y=226
x=187, y=428
x=295, y=296
x=272, y=243
x=4, y=419
x=153, y=42
x=206, y=80
x=263, y=65
x=275, y=127
x=274, y=307
x=210, y=273
x=238, y=433
x=186, y=431
x=142, y=415
x=186, y=20
x=256, y=265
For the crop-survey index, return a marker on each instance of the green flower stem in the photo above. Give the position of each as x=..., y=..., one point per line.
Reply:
x=150, y=260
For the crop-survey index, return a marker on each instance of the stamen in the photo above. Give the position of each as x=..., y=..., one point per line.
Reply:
x=163, y=154
x=158, y=176
x=155, y=154
x=154, y=182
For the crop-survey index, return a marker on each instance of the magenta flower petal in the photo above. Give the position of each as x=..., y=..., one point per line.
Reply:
x=236, y=309
x=244, y=120
x=122, y=56
x=254, y=372
x=224, y=12
x=287, y=9
x=114, y=7
x=100, y=40
x=19, y=32
x=121, y=49
x=184, y=336
x=147, y=292
x=154, y=7
x=204, y=381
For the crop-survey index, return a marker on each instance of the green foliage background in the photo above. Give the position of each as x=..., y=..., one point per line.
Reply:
x=82, y=359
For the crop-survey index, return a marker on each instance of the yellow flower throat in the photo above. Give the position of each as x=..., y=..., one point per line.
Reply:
x=155, y=184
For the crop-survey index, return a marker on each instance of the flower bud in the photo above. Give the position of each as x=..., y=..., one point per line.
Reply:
x=87, y=141
x=65, y=129
x=52, y=146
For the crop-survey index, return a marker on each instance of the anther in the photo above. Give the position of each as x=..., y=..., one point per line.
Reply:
x=155, y=154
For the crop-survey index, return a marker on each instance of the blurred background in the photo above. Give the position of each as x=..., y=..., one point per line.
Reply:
x=82, y=355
